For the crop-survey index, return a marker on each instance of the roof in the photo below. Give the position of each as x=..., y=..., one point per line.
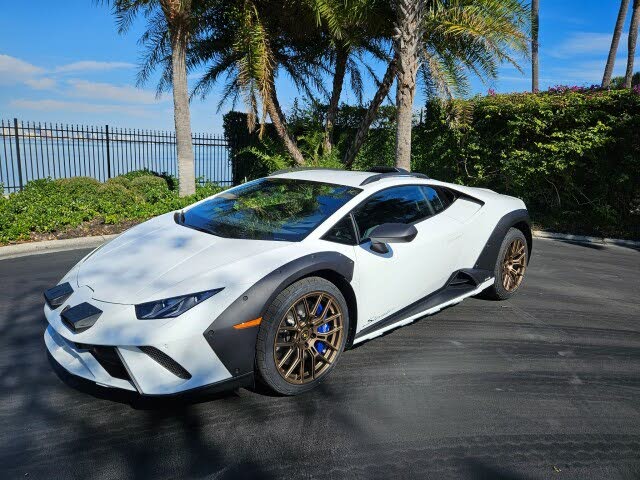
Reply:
x=341, y=177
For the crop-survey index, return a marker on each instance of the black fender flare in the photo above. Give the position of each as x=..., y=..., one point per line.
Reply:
x=236, y=348
x=489, y=255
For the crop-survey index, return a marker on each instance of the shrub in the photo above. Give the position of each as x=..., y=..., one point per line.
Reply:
x=171, y=181
x=572, y=155
x=152, y=189
x=56, y=205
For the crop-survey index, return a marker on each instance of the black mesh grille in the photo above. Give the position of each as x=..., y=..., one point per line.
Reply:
x=108, y=358
x=167, y=362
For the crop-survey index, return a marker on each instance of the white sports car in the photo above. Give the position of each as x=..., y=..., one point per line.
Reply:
x=274, y=279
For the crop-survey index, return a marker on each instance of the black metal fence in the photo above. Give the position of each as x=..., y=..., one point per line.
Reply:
x=30, y=151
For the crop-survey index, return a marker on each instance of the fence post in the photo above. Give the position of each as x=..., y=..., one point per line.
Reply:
x=108, y=152
x=15, y=127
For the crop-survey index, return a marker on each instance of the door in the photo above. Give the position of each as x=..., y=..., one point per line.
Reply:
x=409, y=271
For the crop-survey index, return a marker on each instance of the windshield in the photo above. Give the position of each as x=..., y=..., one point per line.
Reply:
x=269, y=209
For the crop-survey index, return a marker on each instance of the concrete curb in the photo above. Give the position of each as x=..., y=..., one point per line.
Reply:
x=51, y=246
x=585, y=239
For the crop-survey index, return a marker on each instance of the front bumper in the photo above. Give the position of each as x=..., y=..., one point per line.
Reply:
x=119, y=351
x=141, y=371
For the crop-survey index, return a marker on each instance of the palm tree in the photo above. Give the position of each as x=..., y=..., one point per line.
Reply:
x=613, y=50
x=175, y=20
x=408, y=32
x=363, y=129
x=535, y=24
x=633, y=40
x=354, y=28
x=454, y=37
x=248, y=43
x=458, y=37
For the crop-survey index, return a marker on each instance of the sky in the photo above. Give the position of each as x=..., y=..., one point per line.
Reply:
x=65, y=62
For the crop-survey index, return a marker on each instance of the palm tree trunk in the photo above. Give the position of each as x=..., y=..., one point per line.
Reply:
x=407, y=36
x=280, y=123
x=370, y=115
x=181, y=116
x=633, y=40
x=613, y=50
x=535, y=24
x=342, y=55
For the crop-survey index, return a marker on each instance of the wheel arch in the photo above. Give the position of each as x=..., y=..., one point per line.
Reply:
x=516, y=219
x=349, y=295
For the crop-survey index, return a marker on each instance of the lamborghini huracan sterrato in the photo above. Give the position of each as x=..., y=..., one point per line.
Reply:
x=273, y=280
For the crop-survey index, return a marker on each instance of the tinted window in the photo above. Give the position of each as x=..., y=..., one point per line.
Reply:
x=269, y=209
x=439, y=198
x=447, y=196
x=400, y=204
x=342, y=232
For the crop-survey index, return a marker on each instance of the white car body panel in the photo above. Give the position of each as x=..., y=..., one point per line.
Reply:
x=426, y=261
x=161, y=259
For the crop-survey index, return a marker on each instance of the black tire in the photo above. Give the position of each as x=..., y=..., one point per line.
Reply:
x=267, y=369
x=498, y=291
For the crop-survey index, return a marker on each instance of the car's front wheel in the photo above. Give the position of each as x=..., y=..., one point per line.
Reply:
x=510, y=267
x=302, y=335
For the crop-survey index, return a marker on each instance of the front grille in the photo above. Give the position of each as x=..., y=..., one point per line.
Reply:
x=167, y=362
x=108, y=358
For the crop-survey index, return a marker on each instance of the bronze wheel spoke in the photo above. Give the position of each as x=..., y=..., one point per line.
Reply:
x=302, y=352
x=312, y=357
x=330, y=332
x=321, y=321
x=286, y=357
x=323, y=359
x=294, y=364
x=315, y=306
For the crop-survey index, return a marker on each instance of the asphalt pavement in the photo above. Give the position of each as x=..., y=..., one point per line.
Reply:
x=546, y=385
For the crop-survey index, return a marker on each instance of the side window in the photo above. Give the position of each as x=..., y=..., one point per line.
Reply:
x=342, y=232
x=447, y=196
x=405, y=204
x=439, y=198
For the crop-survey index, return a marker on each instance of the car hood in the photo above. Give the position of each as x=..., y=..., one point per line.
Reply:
x=157, y=257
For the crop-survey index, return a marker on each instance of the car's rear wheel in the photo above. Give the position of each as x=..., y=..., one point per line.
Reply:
x=302, y=335
x=510, y=267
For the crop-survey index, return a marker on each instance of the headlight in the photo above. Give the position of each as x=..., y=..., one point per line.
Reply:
x=172, y=307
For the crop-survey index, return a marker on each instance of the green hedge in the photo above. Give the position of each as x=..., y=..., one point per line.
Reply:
x=573, y=157
x=572, y=154
x=46, y=206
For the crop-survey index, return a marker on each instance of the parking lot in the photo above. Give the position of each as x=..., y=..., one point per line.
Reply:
x=546, y=385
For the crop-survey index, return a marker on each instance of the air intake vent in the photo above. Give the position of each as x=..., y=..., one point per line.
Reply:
x=108, y=359
x=167, y=362
x=57, y=295
x=462, y=280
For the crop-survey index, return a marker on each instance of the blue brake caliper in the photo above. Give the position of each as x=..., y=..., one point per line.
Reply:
x=320, y=346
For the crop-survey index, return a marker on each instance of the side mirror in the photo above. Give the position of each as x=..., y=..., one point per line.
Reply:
x=391, y=233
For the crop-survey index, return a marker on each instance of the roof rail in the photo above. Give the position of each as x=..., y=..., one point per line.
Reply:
x=385, y=169
x=299, y=169
x=381, y=176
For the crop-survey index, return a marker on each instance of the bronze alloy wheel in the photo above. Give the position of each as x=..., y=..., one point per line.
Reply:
x=514, y=265
x=308, y=338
